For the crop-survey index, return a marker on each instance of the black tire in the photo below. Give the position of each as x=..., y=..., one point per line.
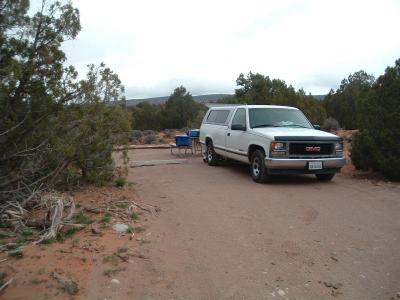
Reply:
x=325, y=177
x=258, y=171
x=212, y=157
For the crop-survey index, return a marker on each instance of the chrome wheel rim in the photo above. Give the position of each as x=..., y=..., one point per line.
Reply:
x=209, y=154
x=256, y=167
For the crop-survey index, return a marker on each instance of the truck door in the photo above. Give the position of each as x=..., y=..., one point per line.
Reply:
x=236, y=140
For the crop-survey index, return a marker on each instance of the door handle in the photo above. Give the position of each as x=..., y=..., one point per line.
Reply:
x=228, y=134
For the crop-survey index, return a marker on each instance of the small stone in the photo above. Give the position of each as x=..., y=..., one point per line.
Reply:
x=337, y=286
x=115, y=281
x=327, y=284
x=121, y=228
x=95, y=230
x=281, y=292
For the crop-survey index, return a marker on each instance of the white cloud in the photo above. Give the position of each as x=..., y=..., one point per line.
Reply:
x=157, y=45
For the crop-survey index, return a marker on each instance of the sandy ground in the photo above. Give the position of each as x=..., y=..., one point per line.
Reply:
x=222, y=236
x=219, y=235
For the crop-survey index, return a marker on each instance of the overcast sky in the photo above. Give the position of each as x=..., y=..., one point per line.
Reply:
x=157, y=45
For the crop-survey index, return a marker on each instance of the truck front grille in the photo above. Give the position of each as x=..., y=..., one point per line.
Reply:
x=312, y=149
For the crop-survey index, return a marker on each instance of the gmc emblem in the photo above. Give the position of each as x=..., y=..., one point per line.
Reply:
x=313, y=149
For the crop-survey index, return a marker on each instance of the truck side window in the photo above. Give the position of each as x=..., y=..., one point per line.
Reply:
x=218, y=116
x=240, y=117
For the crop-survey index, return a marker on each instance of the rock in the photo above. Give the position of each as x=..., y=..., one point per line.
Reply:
x=327, y=284
x=121, y=228
x=337, y=286
x=115, y=281
x=95, y=230
x=333, y=256
x=281, y=293
x=68, y=285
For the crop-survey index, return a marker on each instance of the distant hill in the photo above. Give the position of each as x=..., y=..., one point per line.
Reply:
x=319, y=97
x=210, y=98
x=159, y=100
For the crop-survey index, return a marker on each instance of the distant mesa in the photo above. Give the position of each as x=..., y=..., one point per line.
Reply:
x=210, y=98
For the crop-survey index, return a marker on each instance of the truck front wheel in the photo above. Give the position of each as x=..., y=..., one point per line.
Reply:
x=258, y=170
x=212, y=157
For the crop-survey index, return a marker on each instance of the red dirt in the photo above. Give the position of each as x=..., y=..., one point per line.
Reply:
x=80, y=257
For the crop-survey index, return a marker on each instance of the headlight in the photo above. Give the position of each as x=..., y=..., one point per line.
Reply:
x=339, y=148
x=278, y=149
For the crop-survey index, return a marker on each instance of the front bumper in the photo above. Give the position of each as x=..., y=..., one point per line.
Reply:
x=301, y=164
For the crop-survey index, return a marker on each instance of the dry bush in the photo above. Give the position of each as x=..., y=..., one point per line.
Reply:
x=150, y=139
x=330, y=124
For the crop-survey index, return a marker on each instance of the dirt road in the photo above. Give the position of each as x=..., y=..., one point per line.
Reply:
x=222, y=236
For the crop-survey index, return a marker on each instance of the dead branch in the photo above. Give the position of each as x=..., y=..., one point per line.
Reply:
x=6, y=284
x=141, y=207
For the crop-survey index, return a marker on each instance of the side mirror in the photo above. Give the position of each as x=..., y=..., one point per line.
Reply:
x=316, y=126
x=238, y=127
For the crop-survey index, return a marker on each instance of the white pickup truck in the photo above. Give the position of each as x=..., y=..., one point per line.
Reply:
x=272, y=139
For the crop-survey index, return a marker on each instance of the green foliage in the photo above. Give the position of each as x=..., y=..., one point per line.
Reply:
x=259, y=89
x=106, y=218
x=81, y=218
x=134, y=216
x=179, y=111
x=120, y=182
x=54, y=129
x=62, y=236
x=376, y=146
x=344, y=104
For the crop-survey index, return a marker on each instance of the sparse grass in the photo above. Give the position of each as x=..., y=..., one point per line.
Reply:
x=62, y=236
x=120, y=182
x=134, y=216
x=106, y=218
x=75, y=243
x=137, y=229
x=41, y=271
x=123, y=205
x=48, y=241
x=121, y=250
x=27, y=232
x=37, y=281
x=142, y=242
x=81, y=218
x=111, y=272
x=111, y=259
x=16, y=253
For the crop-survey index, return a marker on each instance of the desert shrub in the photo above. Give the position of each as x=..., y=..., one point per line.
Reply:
x=168, y=133
x=376, y=146
x=120, y=182
x=363, y=151
x=55, y=129
x=148, y=132
x=161, y=141
x=330, y=124
x=150, y=139
x=136, y=134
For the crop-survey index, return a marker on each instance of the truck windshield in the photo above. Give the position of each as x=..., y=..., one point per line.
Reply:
x=277, y=117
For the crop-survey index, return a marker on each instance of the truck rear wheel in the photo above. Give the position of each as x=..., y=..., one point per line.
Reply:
x=212, y=157
x=259, y=172
x=325, y=177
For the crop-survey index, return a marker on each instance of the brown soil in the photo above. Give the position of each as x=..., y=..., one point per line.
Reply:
x=221, y=236
x=91, y=257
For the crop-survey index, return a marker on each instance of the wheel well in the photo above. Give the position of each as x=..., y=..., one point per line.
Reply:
x=208, y=140
x=253, y=148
